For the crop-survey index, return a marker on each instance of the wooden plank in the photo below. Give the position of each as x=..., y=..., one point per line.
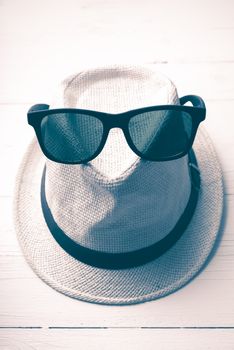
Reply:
x=36, y=54
x=114, y=339
x=198, y=32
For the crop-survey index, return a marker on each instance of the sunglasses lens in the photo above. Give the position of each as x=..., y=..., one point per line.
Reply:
x=71, y=137
x=161, y=134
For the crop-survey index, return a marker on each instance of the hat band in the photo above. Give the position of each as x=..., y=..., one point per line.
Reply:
x=128, y=259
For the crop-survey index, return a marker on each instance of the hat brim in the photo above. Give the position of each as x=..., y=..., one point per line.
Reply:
x=158, y=278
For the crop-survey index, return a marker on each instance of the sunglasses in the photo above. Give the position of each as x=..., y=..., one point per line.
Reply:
x=156, y=133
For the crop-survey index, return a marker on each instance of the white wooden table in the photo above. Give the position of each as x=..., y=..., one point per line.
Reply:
x=41, y=42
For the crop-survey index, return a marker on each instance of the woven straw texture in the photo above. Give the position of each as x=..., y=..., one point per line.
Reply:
x=107, y=206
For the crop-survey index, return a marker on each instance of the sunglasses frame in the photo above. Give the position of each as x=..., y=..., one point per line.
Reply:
x=121, y=120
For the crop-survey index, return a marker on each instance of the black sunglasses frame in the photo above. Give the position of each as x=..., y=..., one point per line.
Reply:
x=121, y=120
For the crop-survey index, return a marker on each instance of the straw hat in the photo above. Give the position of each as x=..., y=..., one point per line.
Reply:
x=118, y=204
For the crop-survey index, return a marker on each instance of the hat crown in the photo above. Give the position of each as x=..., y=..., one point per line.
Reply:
x=117, y=202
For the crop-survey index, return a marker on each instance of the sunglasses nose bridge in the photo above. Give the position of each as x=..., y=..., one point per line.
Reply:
x=117, y=121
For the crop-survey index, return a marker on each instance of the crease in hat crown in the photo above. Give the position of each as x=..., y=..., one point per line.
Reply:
x=117, y=202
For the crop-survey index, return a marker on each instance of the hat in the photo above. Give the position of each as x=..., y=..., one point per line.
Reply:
x=118, y=206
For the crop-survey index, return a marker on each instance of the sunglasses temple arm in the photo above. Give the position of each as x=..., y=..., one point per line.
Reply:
x=195, y=100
